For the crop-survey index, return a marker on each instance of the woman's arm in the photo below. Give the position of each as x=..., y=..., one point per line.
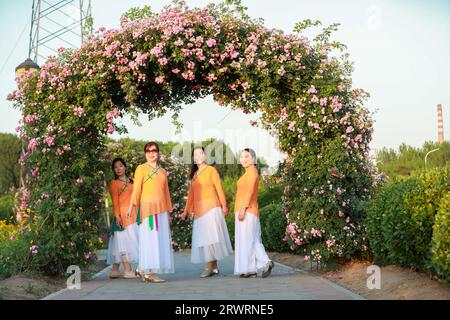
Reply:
x=218, y=186
x=137, y=189
x=251, y=181
x=114, y=192
x=190, y=200
x=167, y=194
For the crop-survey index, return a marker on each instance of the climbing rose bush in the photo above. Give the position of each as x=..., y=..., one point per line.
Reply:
x=302, y=89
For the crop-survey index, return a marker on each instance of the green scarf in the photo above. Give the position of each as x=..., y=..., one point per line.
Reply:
x=151, y=219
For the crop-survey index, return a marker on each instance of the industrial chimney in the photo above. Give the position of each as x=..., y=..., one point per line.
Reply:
x=440, y=124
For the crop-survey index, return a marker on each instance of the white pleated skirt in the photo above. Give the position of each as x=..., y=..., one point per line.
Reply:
x=155, y=246
x=249, y=253
x=210, y=239
x=124, y=245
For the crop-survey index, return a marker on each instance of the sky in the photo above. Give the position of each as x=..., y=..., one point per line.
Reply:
x=400, y=50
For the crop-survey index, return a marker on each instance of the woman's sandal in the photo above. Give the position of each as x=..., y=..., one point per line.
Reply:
x=153, y=278
x=209, y=272
x=206, y=273
x=248, y=275
x=115, y=275
x=268, y=270
x=130, y=275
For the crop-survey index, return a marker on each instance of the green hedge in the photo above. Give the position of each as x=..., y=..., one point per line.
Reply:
x=400, y=219
x=14, y=248
x=441, y=239
x=230, y=219
x=14, y=255
x=270, y=194
x=273, y=227
x=6, y=206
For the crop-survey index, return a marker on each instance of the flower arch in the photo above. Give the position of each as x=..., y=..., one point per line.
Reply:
x=302, y=89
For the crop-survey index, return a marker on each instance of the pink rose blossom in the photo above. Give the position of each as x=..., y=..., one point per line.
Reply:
x=292, y=125
x=110, y=129
x=49, y=140
x=211, y=42
x=35, y=172
x=33, y=143
x=159, y=79
x=163, y=61
x=330, y=243
x=312, y=90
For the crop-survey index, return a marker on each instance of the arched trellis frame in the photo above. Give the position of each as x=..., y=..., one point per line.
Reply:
x=155, y=64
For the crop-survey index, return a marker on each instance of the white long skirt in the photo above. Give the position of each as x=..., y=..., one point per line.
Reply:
x=124, y=245
x=250, y=255
x=210, y=239
x=155, y=246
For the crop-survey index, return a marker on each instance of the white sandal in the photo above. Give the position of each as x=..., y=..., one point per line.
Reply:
x=115, y=274
x=130, y=275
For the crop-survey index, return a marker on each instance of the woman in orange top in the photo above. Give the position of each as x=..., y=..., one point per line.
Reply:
x=151, y=197
x=250, y=255
x=206, y=201
x=123, y=245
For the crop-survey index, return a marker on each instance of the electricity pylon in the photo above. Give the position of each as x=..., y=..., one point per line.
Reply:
x=58, y=23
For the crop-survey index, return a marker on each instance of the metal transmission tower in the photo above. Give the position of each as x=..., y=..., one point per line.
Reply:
x=58, y=23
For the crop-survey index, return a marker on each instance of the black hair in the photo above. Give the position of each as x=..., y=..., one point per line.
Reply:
x=123, y=163
x=194, y=166
x=252, y=153
x=151, y=143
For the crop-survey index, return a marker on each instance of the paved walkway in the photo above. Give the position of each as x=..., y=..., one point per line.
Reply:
x=185, y=284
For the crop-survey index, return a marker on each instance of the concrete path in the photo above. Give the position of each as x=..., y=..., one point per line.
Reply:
x=285, y=283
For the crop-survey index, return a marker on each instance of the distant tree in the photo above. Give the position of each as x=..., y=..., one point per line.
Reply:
x=408, y=159
x=9, y=166
x=138, y=13
x=218, y=152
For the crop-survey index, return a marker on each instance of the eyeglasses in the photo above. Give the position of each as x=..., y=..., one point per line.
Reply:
x=151, y=151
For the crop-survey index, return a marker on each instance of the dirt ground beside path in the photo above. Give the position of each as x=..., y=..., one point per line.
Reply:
x=29, y=287
x=35, y=287
x=396, y=283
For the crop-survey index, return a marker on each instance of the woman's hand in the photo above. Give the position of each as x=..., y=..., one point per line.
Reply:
x=225, y=210
x=119, y=222
x=130, y=209
x=241, y=214
x=183, y=215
